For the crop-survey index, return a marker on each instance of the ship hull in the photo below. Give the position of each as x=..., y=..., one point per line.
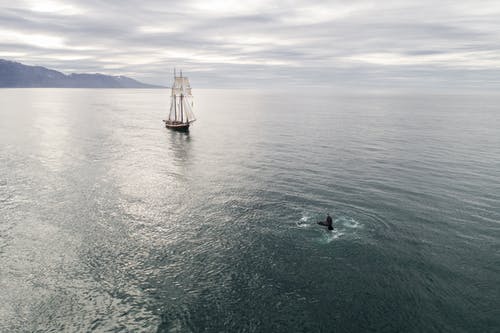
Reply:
x=181, y=127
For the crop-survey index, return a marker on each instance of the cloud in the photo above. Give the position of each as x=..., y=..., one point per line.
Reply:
x=262, y=43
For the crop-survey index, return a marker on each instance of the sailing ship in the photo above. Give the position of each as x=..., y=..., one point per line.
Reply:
x=181, y=105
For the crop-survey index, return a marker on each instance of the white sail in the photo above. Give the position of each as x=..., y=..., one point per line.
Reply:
x=181, y=106
x=172, y=115
x=181, y=86
x=188, y=109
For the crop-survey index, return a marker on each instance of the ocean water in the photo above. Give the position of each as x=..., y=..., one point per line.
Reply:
x=111, y=223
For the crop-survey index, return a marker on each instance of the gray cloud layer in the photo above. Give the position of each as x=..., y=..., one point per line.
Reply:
x=223, y=43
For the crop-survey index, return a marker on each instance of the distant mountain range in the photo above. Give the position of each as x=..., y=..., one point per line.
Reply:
x=17, y=75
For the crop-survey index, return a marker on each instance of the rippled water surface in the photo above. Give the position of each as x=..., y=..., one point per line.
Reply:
x=110, y=222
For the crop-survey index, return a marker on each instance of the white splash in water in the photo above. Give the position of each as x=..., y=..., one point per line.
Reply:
x=330, y=236
x=303, y=222
x=348, y=222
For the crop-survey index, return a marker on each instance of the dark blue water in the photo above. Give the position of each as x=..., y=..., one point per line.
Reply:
x=111, y=223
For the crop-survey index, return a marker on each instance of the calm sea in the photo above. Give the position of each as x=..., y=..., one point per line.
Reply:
x=111, y=223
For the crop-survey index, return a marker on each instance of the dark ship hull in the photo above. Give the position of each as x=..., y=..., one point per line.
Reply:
x=177, y=126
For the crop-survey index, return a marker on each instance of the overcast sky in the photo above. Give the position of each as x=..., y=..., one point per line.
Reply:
x=225, y=43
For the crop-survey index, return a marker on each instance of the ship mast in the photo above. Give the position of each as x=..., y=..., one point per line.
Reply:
x=181, y=115
x=175, y=96
x=182, y=98
x=182, y=109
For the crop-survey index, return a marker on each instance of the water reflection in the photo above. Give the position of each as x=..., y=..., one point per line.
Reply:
x=54, y=148
x=180, y=147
